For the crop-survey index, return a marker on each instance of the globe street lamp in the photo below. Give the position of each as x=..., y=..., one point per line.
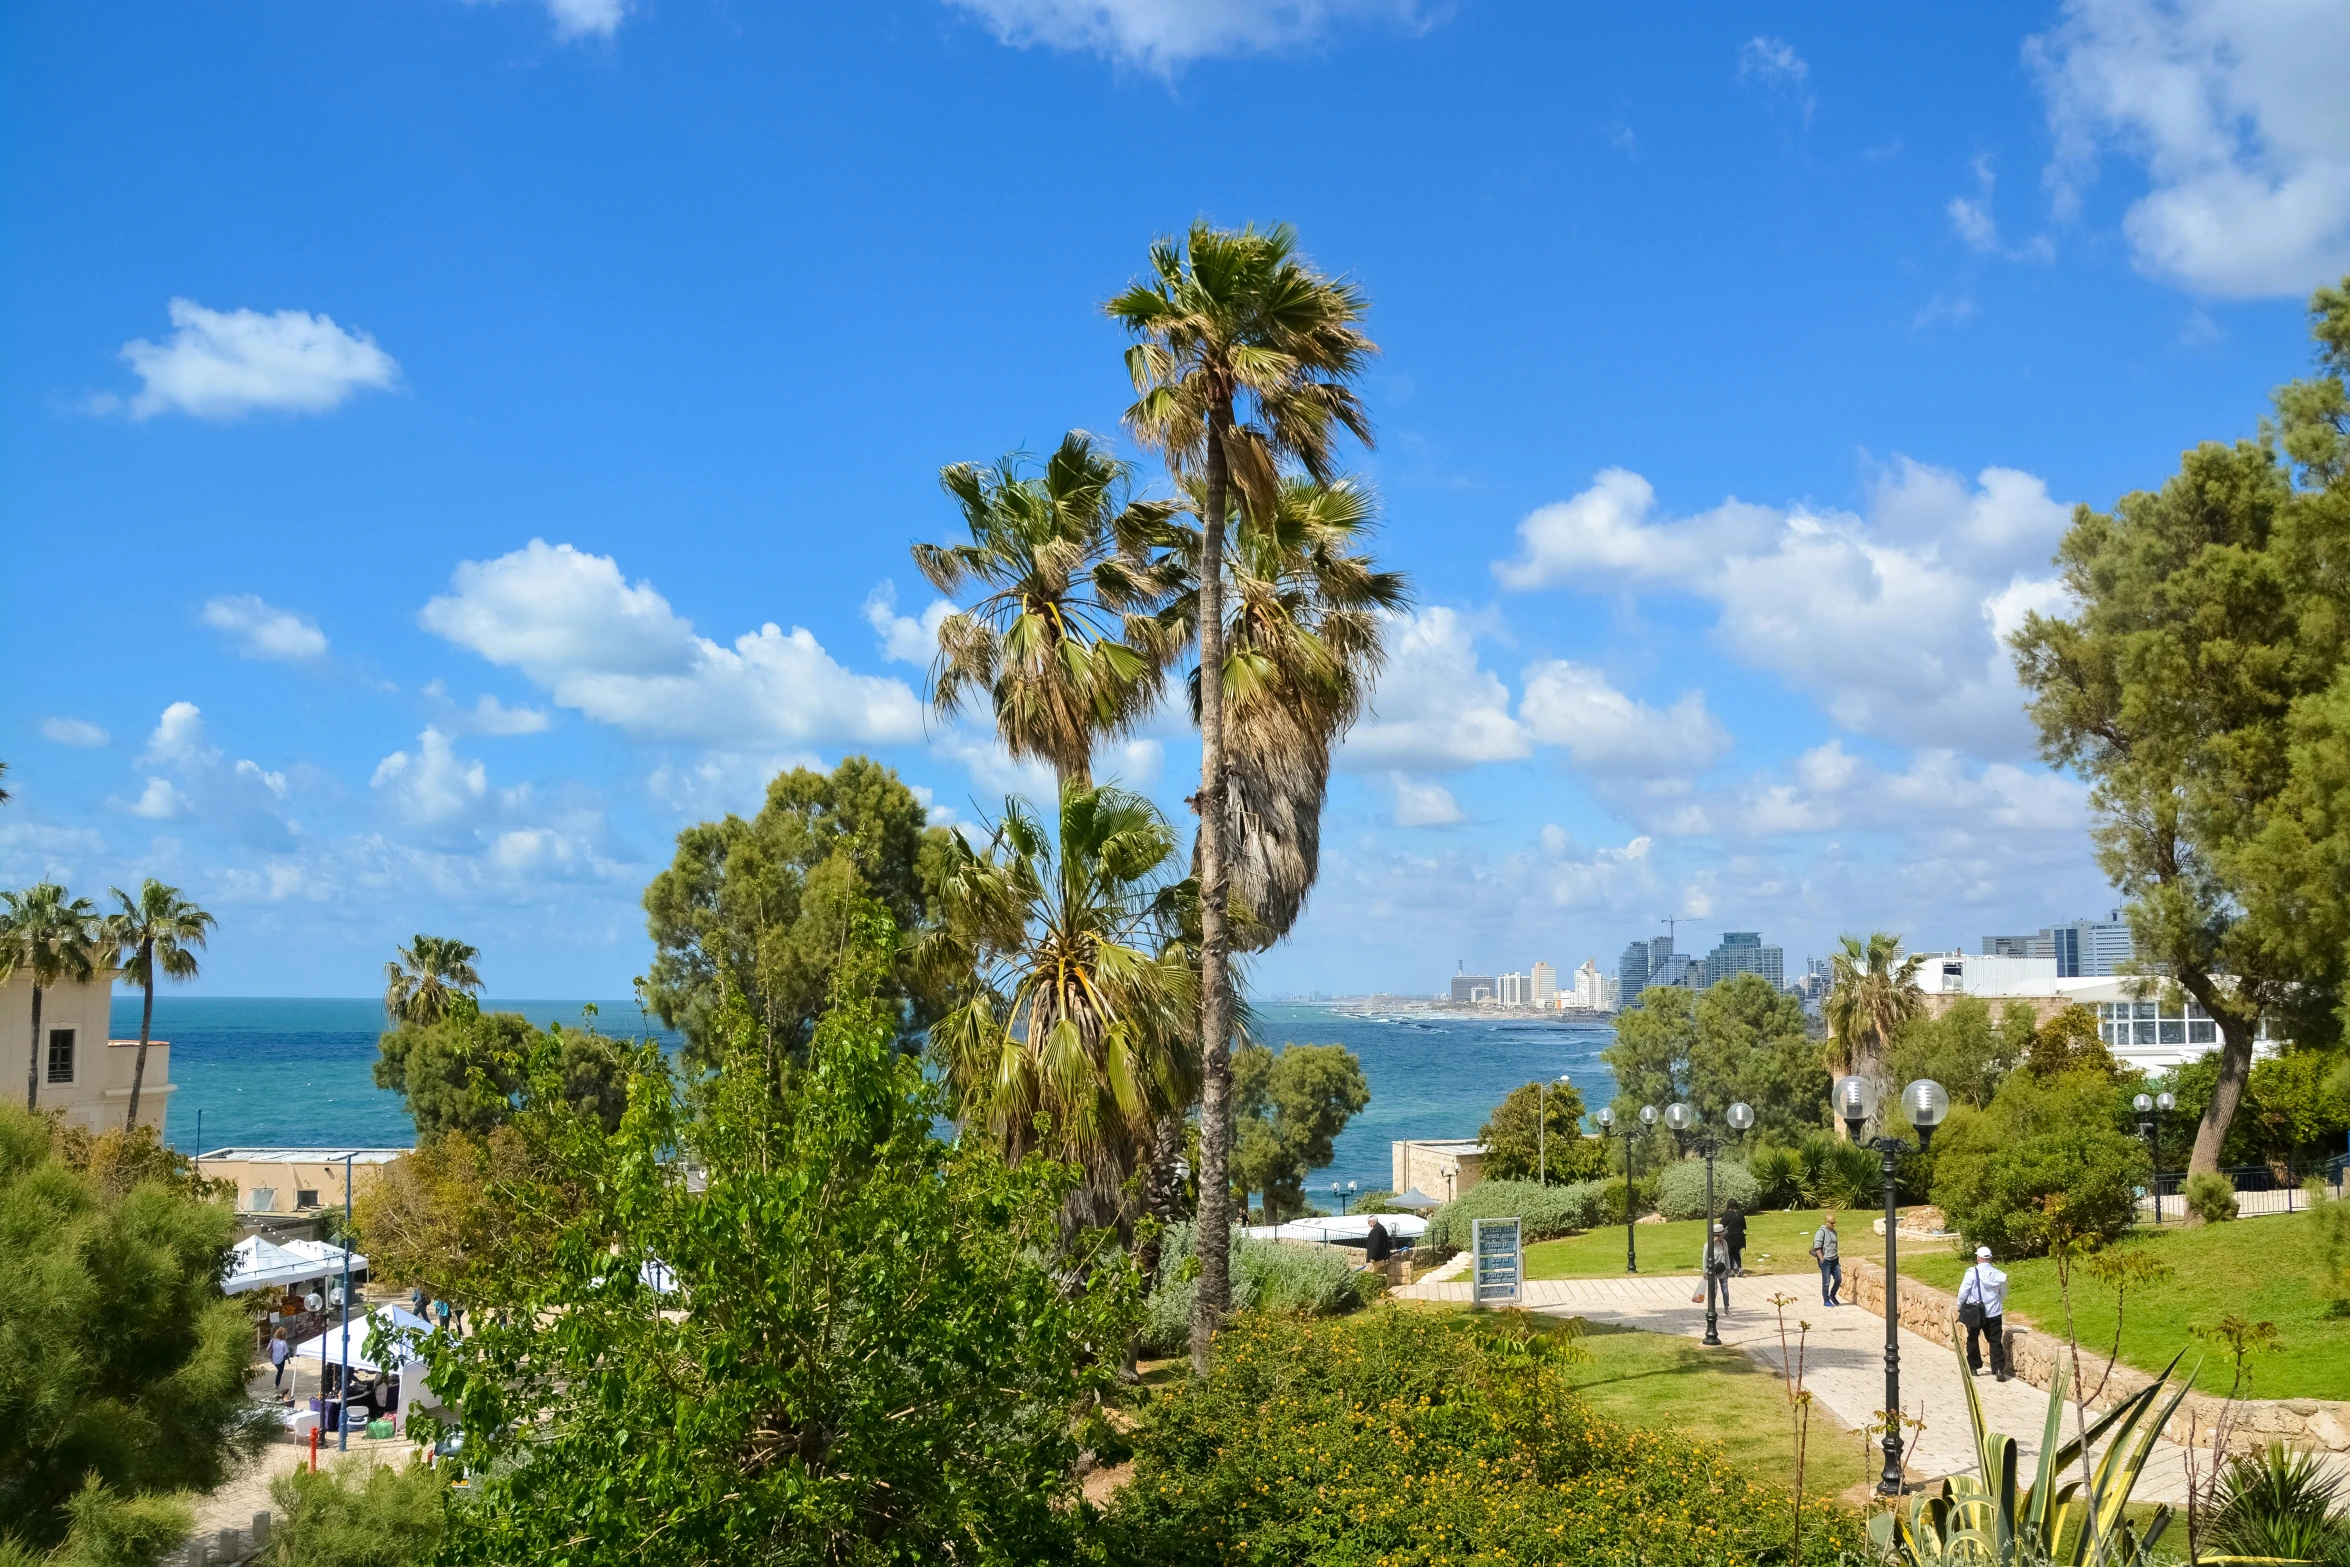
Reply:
x=1688, y=1130
x=1542, y=1127
x=1925, y=1102
x=1631, y=1205
x=2148, y=1128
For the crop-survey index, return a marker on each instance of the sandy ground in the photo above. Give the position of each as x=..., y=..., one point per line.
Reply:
x=246, y=1492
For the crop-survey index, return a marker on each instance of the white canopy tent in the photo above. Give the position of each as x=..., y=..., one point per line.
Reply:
x=1348, y=1230
x=327, y=1347
x=259, y=1263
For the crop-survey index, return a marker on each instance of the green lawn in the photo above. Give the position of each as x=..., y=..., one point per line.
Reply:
x=1775, y=1243
x=2264, y=1269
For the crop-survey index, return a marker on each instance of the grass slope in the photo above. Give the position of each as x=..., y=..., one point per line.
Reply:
x=2264, y=1269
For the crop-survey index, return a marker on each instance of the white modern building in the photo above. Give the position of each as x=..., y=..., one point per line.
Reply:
x=1513, y=991
x=2145, y=1021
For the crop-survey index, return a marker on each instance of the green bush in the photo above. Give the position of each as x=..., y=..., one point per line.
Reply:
x=357, y=1514
x=1274, y=1276
x=1416, y=1438
x=1611, y=1198
x=1778, y=1177
x=2044, y=1164
x=1680, y=1189
x=2210, y=1196
x=1543, y=1210
x=2279, y=1505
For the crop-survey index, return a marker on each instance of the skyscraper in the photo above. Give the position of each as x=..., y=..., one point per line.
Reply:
x=1546, y=985
x=1743, y=952
x=1632, y=969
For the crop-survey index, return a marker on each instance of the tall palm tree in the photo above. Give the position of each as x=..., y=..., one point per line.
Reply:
x=1062, y=644
x=52, y=938
x=1304, y=639
x=158, y=929
x=1243, y=365
x=1872, y=991
x=1075, y=1037
x=426, y=977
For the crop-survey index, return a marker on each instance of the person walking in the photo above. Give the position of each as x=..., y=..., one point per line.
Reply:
x=1982, y=1306
x=1734, y=1232
x=278, y=1350
x=1717, y=1270
x=1378, y=1249
x=1823, y=1252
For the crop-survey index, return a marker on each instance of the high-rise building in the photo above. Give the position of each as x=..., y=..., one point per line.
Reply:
x=1466, y=986
x=1546, y=985
x=1512, y=990
x=1632, y=969
x=1591, y=990
x=1614, y=1001
x=1743, y=952
x=2082, y=949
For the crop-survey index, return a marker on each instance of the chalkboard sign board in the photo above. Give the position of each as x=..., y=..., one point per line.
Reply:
x=1498, y=1265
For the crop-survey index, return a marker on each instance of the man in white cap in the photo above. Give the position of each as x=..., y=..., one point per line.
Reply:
x=1982, y=1306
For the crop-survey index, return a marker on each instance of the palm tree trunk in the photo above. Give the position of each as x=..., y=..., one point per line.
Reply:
x=32, y=1066
x=1215, y=1007
x=146, y=1025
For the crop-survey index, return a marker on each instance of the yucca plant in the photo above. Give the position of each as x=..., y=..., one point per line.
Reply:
x=2277, y=1505
x=1985, y=1518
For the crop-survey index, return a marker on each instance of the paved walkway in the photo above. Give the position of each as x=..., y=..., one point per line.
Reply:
x=1843, y=1362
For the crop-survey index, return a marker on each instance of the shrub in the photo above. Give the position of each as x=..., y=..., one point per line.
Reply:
x=1411, y=1437
x=2044, y=1164
x=1778, y=1177
x=1611, y=1199
x=1543, y=1210
x=1273, y=1276
x=1680, y=1188
x=357, y=1514
x=2210, y=1196
x=2278, y=1505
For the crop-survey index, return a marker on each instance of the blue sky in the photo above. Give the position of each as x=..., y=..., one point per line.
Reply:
x=415, y=412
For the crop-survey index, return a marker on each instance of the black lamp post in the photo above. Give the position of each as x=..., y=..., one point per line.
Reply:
x=1344, y=1195
x=1925, y=1102
x=1631, y=1205
x=2149, y=1129
x=1689, y=1130
x=1542, y=1128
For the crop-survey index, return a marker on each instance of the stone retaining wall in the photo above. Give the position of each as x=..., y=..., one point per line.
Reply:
x=2317, y=1423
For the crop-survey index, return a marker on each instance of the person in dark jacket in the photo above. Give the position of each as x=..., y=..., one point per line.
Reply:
x=1734, y=1233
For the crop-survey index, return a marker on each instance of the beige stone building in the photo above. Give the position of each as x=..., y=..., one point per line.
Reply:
x=293, y=1180
x=1442, y=1168
x=77, y=1068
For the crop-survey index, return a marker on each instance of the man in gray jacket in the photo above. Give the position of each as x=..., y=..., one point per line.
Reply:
x=1982, y=1306
x=1823, y=1252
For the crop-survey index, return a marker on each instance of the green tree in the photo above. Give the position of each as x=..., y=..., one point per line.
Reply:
x=466, y=1072
x=1243, y=364
x=1063, y=643
x=1290, y=1106
x=1740, y=1039
x=425, y=982
x=1872, y=991
x=1073, y=1036
x=1304, y=639
x=50, y=938
x=157, y=930
x=358, y=1513
x=859, y=1345
x=120, y=1363
x=763, y=906
x=1963, y=1049
x=1536, y=1133
x=2068, y=1043
x=2044, y=1163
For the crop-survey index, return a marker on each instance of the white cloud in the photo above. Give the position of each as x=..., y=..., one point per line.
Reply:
x=433, y=787
x=262, y=630
x=1829, y=789
x=179, y=738
x=619, y=654
x=1605, y=731
x=1435, y=708
x=2236, y=108
x=1422, y=804
x=219, y=364
x=1784, y=73
x=160, y=802
x=1163, y=35
x=1891, y=622
x=74, y=731
x=1972, y=218
x=904, y=640
x=487, y=715
x=578, y=19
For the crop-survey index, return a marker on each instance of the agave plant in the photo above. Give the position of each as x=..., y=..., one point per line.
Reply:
x=1984, y=1518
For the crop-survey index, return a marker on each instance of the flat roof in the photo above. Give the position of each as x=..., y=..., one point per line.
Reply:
x=1464, y=1144
x=307, y=1155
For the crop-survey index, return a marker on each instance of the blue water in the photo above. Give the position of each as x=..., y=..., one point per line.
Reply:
x=298, y=1072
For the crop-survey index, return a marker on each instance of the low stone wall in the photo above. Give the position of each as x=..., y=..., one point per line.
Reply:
x=2316, y=1423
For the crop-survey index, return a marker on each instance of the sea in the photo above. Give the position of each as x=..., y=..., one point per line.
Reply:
x=299, y=1072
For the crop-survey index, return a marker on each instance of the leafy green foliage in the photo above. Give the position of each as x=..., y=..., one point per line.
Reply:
x=108, y=1529
x=2068, y=1043
x=1738, y=1040
x=2042, y=1165
x=1514, y=1151
x=1273, y=1276
x=762, y=908
x=466, y=1072
x=872, y=1346
x=1963, y=1049
x=1415, y=1438
x=1542, y=1210
x=1290, y=1107
x=358, y=1514
x=2210, y=1196
x=119, y=1360
x=2296, y=1104
x=2279, y=1504
x=1822, y=1171
x=1680, y=1188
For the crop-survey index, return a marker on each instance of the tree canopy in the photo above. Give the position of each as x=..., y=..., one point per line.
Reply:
x=764, y=905
x=466, y=1072
x=1740, y=1039
x=1290, y=1105
x=1537, y=1133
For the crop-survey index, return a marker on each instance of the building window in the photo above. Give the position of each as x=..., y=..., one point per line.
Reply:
x=304, y=1197
x=61, y=1055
